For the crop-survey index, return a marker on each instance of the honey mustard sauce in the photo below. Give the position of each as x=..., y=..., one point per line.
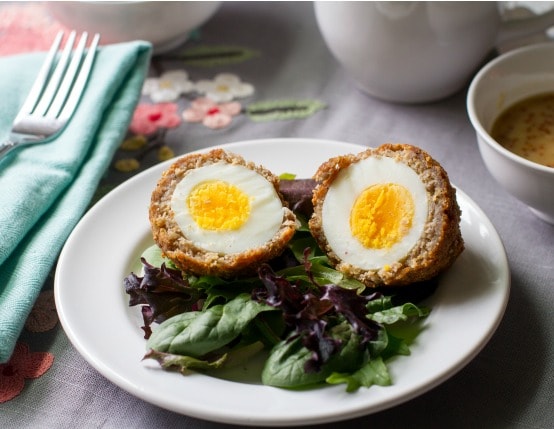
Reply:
x=527, y=129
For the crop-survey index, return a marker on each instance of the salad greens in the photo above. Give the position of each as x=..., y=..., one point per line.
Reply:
x=316, y=325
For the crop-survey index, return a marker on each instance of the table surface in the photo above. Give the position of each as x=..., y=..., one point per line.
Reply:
x=510, y=384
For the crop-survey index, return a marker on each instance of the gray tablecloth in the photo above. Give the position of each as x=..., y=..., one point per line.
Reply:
x=510, y=384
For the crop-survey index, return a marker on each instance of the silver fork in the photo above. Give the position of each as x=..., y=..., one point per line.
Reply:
x=54, y=94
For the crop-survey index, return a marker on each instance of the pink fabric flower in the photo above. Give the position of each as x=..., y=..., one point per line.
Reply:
x=22, y=365
x=210, y=113
x=148, y=118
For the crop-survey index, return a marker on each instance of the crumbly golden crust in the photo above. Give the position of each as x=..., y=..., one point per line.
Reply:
x=441, y=241
x=182, y=251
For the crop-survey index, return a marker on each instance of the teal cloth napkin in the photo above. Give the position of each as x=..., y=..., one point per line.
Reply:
x=45, y=189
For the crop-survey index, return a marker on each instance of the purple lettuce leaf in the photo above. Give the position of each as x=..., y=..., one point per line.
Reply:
x=162, y=292
x=307, y=313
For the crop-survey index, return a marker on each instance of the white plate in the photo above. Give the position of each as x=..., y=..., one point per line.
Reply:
x=94, y=312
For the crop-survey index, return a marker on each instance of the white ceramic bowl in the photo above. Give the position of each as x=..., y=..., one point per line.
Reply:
x=499, y=84
x=165, y=24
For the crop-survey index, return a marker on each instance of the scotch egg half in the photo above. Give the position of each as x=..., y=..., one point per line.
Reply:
x=216, y=214
x=386, y=216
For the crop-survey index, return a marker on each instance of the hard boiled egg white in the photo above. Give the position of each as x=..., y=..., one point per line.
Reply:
x=374, y=212
x=226, y=208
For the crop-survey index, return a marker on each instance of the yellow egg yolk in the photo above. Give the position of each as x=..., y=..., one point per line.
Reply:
x=218, y=206
x=382, y=215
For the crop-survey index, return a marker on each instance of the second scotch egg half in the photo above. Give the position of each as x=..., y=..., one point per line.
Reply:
x=386, y=216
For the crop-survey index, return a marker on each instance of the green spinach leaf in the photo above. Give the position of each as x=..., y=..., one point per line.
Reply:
x=182, y=364
x=286, y=364
x=399, y=313
x=373, y=372
x=197, y=333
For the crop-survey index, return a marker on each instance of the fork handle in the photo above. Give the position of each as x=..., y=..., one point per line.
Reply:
x=6, y=147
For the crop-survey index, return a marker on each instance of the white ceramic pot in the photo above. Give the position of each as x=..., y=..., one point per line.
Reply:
x=411, y=51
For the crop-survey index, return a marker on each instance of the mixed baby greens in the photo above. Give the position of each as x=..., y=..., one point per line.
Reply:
x=316, y=325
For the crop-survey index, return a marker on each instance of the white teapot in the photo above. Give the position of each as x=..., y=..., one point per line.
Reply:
x=412, y=51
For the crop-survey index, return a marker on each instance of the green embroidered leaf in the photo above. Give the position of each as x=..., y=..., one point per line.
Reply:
x=210, y=56
x=283, y=109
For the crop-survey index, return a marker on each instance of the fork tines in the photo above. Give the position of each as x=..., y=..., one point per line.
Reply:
x=61, y=79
